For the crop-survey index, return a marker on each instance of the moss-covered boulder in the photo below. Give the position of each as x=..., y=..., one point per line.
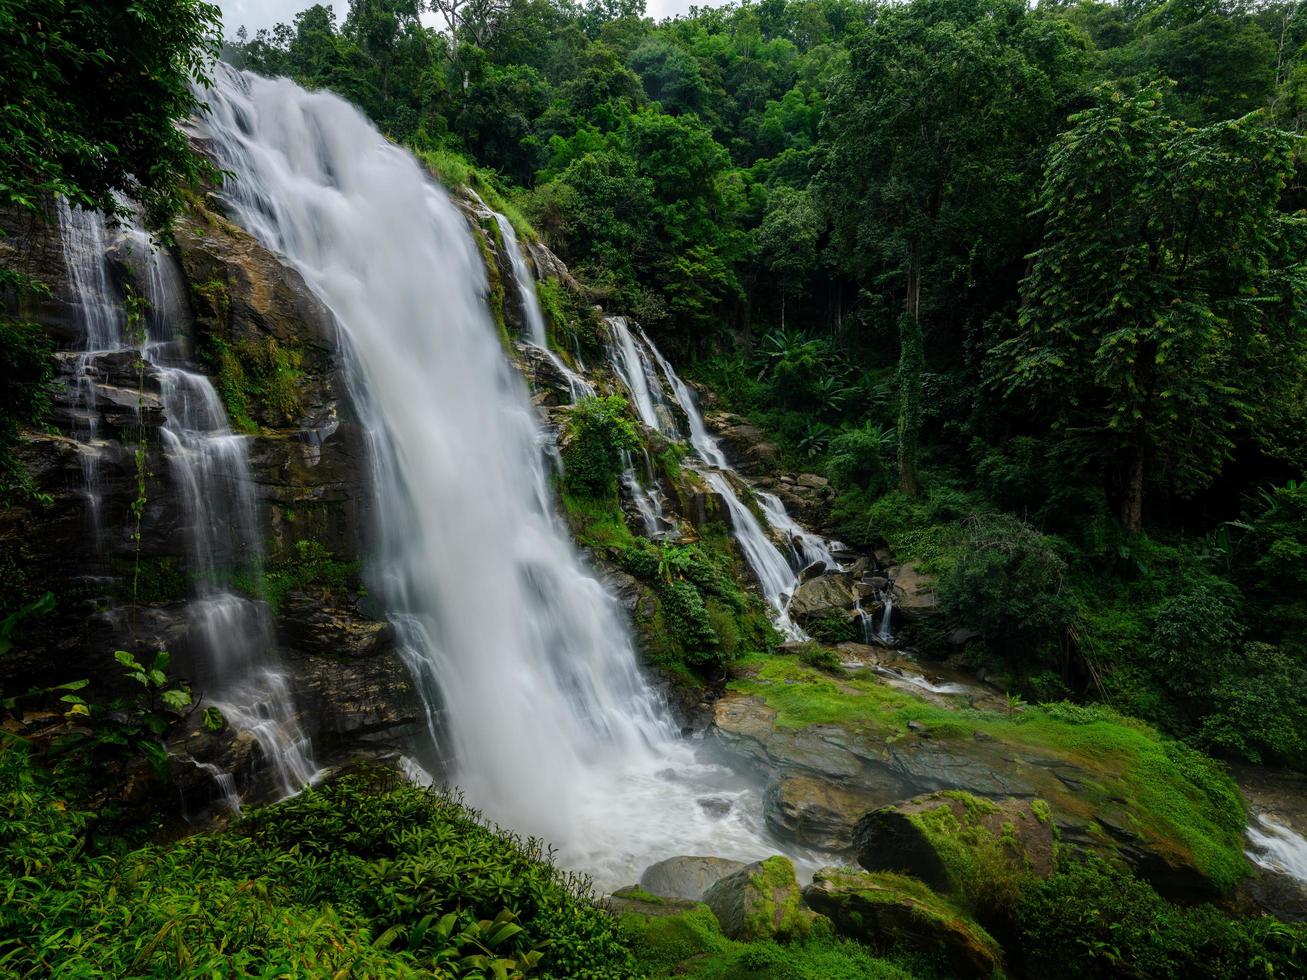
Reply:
x=760, y=901
x=980, y=851
x=888, y=911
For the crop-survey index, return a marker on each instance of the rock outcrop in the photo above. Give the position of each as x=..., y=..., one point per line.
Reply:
x=687, y=877
x=889, y=911
x=760, y=901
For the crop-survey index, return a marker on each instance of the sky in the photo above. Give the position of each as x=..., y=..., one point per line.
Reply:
x=264, y=13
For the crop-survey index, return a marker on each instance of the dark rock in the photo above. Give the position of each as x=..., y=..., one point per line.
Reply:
x=888, y=913
x=816, y=812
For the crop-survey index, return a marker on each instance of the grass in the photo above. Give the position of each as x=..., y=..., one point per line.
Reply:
x=1180, y=800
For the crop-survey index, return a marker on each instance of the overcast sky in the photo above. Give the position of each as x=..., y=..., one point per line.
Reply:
x=264, y=13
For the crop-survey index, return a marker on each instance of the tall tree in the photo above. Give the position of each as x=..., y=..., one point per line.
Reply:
x=932, y=142
x=1165, y=304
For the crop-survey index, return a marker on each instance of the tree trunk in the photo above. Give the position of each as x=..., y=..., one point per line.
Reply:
x=1132, y=502
x=911, y=362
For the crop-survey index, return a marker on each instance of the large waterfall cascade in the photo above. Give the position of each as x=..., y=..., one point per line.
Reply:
x=236, y=668
x=545, y=720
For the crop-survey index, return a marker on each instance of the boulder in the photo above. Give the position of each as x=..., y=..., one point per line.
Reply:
x=760, y=901
x=914, y=593
x=743, y=442
x=888, y=911
x=830, y=592
x=816, y=812
x=979, y=851
x=686, y=877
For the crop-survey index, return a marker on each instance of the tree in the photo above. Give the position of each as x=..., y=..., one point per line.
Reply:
x=1165, y=302
x=90, y=98
x=932, y=141
x=787, y=240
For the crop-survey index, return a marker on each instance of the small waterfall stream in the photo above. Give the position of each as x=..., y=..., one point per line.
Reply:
x=1277, y=848
x=638, y=362
x=539, y=711
x=236, y=669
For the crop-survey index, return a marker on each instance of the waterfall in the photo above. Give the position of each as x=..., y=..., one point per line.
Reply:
x=886, y=632
x=235, y=668
x=1277, y=848
x=544, y=718
x=810, y=547
x=524, y=283
x=637, y=361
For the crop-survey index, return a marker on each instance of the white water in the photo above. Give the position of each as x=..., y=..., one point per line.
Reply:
x=808, y=547
x=524, y=283
x=1277, y=848
x=637, y=362
x=236, y=669
x=544, y=719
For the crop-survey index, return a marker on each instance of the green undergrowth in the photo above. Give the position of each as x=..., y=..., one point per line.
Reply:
x=258, y=381
x=1179, y=799
x=454, y=170
x=309, y=567
x=691, y=944
x=694, y=617
x=487, y=237
x=365, y=876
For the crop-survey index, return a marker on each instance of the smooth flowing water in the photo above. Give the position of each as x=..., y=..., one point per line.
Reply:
x=1277, y=848
x=542, y=716
x=637, y=361
x=236, y=667
x=537, y=335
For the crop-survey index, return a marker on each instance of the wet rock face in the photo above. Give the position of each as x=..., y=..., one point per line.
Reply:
x=743, y=442
x=239, y=309
x=822, y=774
x=885, y=913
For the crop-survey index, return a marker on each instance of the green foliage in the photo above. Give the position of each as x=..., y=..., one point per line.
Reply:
x=92, y=97
x=103, y=739
x=258, y=380
x=1096, y=922
x=308, y=567
x=598, y=434
x=1008, y=581
x=24, y=398
x=1198, y=283
x=365, y=876
x=691, y=944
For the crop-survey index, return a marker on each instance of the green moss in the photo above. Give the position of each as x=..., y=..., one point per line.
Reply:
x=158, y=580
x=986, y=871
x=486, y=236
x=1041, y=811
x=257, y=380
x=781, y=911
x=455, y=170
x=690, y=944
x=1178, y=799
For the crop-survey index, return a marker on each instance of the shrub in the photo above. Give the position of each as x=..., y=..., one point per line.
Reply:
x=857, y=459
x=365, y=876
x=1008, y=582
x=1093, y=921
x=598, y=434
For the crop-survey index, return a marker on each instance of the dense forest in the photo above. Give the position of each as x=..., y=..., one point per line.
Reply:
x=1025, y=286
x=1025, y=283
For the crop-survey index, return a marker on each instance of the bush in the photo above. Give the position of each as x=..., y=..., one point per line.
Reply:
x=857, y=459
x=598, y=434
x=365, y=876
x=1093, y=921
x=26, y=354
x=1009, y=583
